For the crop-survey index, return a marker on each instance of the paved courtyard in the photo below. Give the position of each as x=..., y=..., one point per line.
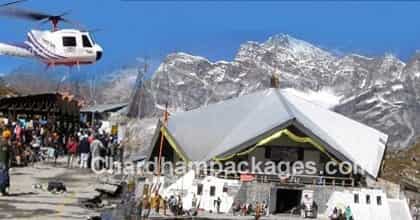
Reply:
x=25, y=202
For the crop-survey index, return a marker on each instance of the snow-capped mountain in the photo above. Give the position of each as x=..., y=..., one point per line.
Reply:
x=381, y=91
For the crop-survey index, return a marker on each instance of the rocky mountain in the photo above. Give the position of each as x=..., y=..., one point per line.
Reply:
x=118, y=86
x=88, y=87
x=382, y=92
x=5, y=91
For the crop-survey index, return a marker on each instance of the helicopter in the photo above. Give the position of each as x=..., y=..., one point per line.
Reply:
x=53, y=47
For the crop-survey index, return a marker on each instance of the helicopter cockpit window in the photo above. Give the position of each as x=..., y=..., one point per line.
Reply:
x=86, y=41
x=69, y=41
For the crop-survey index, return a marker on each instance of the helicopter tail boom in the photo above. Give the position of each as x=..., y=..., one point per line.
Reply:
x=15, y=50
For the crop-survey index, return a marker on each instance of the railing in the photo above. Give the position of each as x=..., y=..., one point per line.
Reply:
x=284, y=180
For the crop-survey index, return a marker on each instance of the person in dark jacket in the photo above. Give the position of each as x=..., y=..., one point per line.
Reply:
x=5, y=156
x=84, y=150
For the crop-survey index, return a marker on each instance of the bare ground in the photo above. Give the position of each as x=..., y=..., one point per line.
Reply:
x=25, y=202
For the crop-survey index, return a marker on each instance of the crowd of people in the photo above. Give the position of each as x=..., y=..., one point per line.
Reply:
x=20, y=145
x=338, y=214
x=245, y=209
x=89, y=144
x=25, y=142
x=154, y=204
x=151, y=203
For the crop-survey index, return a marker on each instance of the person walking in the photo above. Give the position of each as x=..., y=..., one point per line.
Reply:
x=158, y=200
x=236, y=207
x=96, y=148
x=56, y=146
x=164, y=205
x=341, y=215
x=264, y=207
x=139, y=208
x=244, y=209
x=258, y=211
x=334, y=215
x=5, y=156
x=194, y=202
x=348, y=214
x=218, y=202
x=414, y=212
x=146, y=207
x=152, y=201
x=84, y=149
x=36, y=146
x=71, y=150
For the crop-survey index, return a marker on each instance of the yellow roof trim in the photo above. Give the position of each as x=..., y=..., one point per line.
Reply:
x=173, y=144
x=276, y=135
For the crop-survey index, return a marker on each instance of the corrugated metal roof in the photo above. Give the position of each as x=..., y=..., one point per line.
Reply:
x=219, y=129
x=104, y=107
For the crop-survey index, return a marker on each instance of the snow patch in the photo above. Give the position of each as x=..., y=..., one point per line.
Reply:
x=324, y=98
x=371, y=100
x=397, y=87
x=188, y=58
x=224, y=62
x=363, y=83
x=361, y=57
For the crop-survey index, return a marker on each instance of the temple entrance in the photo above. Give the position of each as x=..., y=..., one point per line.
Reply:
x=287, y=199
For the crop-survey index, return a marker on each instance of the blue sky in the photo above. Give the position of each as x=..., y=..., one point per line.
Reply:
x=216, y=29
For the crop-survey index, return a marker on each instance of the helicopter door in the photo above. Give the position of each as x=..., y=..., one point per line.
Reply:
x=86, y=42
x=69, y=44
x=87, y=46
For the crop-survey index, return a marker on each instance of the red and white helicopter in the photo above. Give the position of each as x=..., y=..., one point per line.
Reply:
x=54, y=47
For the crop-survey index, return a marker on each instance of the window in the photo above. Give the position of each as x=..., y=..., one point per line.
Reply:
x=379, y=200
x=199, y=189
x=267, y=152
x=86, y=41
x=225, y=189
x=69, y=41
x=367, y=199
x=212, y=190
x=356, y=198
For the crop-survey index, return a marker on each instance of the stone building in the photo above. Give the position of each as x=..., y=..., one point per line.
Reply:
x=57, y=109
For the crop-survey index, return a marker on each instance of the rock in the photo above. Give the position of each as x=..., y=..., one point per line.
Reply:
x=107, y=189
x=56, y=186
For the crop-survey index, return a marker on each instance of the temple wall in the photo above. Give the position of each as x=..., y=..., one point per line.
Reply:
x=371, y=204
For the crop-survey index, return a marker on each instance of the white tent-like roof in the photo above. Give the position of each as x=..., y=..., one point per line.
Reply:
x=233, y=125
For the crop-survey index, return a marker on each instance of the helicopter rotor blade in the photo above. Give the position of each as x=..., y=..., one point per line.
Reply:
x=71, y=22
x=36, y=16
x=23, y=14
x=33, y=15
x=64, y=13
x=61, y=19
x=11, y=3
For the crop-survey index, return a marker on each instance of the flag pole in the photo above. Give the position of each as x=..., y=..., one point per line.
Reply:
x=165, y=122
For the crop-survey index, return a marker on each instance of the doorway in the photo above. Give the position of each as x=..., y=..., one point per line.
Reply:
x=287, y=199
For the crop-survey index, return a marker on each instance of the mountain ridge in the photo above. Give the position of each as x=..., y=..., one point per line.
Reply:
x=379, y=91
